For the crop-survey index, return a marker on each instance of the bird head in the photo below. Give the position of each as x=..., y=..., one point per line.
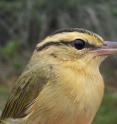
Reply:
x=76, y=46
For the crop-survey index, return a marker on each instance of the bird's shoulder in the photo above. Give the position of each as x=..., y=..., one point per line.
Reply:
x=25, y=91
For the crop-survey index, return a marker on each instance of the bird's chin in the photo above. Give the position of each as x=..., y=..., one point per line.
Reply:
x=99, y=58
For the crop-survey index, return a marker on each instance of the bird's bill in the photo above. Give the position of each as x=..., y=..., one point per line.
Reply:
x=108, y=48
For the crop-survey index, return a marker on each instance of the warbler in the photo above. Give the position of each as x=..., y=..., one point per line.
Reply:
x=62, y=83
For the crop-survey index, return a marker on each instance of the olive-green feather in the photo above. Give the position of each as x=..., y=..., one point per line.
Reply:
x=23, y=95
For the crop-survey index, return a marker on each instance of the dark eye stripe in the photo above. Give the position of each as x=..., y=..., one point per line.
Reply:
x=47, y=45
x=87, y=45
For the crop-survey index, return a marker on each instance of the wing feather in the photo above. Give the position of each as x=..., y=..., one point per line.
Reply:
x=23, y=94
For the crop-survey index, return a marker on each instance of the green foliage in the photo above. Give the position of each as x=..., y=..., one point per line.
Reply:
x=10, y=49
x=3, y=92
x=114, y=11
x=108, y=111
x=17, y=66
x=3, y=96
x=66, y=4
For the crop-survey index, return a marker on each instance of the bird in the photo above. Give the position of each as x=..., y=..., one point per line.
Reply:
x=62, y=83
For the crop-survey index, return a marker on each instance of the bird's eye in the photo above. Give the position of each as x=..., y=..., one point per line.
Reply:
x=79, y=44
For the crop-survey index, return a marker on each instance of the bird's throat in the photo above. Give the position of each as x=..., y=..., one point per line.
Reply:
x=84, y=88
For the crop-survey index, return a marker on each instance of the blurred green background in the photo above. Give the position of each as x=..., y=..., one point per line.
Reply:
x=23, y=23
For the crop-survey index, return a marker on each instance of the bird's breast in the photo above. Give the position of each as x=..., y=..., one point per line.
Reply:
x=73, y=98
x=84, y=89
